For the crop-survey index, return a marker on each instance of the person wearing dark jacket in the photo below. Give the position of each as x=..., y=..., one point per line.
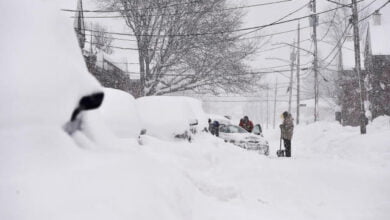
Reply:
x=246, y=124
x=287, y=129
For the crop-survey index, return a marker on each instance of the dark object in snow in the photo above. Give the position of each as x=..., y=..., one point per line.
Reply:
x=214, y=127
x=193, y=126
x=187, y=135
x=338, y=116
x=86, y=103
x=280, y=152
x=257, y=130
x=287, y=147
x=140, y=141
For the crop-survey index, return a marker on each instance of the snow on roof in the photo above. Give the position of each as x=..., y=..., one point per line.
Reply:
x=349, y=56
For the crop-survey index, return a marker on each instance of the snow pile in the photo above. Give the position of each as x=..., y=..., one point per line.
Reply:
x=164, y=116
x=316, y=184
x=43, y=73
x=330, y=139
x=119, y=112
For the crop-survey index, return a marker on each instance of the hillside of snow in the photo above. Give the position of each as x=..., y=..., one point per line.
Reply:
x=334, y=174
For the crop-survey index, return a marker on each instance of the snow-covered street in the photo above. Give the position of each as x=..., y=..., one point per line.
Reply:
x=334, y=174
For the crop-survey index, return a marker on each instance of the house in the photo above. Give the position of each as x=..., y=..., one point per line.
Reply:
x=109, y=73
x=348, y=84
x=377, y=61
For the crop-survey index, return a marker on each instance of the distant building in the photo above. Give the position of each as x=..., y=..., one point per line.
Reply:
x=109, y=73
x=348, y=83
x=377, y=61
x=112, y=74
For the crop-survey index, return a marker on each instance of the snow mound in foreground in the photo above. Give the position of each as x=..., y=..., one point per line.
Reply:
x=43, y=73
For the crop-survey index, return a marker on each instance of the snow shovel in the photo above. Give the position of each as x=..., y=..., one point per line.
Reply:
x=280, y=152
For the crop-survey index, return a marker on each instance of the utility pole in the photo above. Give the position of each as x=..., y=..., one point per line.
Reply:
x=298, y=70
x=314, y=20
x=276, y=93
x=355, y=22
x=267, y=105
x=292, y=58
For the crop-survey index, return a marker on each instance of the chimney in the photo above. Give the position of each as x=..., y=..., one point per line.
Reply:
x=377, y=17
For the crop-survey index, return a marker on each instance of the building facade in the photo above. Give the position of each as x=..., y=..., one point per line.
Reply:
x=377, y=61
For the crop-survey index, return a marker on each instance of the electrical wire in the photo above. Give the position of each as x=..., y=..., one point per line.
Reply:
x=221, y=32
x=194, y=12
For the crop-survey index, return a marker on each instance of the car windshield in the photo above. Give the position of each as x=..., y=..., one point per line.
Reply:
x=233, y=129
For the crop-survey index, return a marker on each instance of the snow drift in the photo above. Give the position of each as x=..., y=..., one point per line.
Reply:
x=43, y=73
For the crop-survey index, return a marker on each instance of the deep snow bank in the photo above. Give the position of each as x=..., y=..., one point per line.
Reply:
x=330, y=139
x=43, y=73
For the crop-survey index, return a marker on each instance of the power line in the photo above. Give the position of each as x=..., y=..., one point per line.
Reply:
x=330, y=26
x=141, y=9
x=186, y=13
x=115, y=47
x=338, y=43
x=280, y=19
x=361, y=20
x=222, y=32
x=243, y=101
x=380, y=8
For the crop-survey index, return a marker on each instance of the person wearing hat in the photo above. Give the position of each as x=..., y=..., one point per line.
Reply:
x=287, y=128
x=246, y=124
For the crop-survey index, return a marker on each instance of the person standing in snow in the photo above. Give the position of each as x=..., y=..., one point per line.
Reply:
x=287, y=129
x=246, y=124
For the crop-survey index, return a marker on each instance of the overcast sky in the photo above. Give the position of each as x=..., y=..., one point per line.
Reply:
x=255, y=16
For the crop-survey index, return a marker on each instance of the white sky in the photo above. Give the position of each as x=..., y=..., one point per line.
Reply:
x=255, y=16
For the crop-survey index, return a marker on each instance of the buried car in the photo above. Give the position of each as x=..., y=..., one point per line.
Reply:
x=242, y=138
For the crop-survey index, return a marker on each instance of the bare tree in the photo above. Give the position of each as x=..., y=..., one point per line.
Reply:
x=101, y=39
x=187, y=45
